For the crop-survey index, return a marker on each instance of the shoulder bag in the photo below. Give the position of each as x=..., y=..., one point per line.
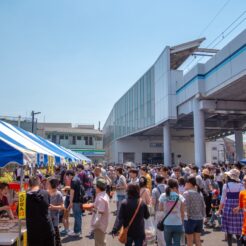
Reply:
x=124, y=230
x=160, y=225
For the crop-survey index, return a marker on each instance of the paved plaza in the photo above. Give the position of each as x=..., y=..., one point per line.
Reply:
x=209, y=239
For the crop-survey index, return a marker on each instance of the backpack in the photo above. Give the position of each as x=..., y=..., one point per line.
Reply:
x=85, y=179
x=81, y=193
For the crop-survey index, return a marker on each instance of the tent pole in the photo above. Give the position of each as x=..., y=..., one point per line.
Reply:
x=21, y=189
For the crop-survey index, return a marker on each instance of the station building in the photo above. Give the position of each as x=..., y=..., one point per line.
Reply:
x=170, y=116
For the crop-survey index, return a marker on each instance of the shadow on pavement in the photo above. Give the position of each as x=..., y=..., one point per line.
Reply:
x=205, y=232
x=70, y=239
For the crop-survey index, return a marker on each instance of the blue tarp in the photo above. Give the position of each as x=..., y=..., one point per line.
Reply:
x=10, y=154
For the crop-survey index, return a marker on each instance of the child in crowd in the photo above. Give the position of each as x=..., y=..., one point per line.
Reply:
x=181, y=181
x=56, y=205
x=65, y=218
x=214, y=208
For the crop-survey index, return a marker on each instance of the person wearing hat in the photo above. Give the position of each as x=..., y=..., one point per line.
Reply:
x=231, y=222
x=207, y=191
x=215, y=206
x=100, y=217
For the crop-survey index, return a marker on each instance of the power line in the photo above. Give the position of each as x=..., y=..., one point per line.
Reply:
x=222, y=35
x=214, y=18
x=208, y=25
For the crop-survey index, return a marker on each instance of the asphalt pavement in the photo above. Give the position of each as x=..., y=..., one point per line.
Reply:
x=211, y=237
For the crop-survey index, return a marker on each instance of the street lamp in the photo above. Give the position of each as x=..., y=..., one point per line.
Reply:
x=33, y=114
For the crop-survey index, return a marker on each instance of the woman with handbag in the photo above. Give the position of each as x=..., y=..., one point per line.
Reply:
x=131, y=217
x=173, y=206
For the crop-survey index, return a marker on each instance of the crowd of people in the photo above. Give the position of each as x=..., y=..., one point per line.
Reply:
x=155, y=204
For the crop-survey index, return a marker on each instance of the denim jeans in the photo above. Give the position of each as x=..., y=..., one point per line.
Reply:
x=172, y=234
x=120, y=198
x=77, y=213
x=137, y=241
x=215, y=217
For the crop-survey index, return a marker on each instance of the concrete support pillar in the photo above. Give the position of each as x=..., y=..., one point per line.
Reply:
x=199, y=134
x=138, y=157
x=239, y=145
x=167, y=145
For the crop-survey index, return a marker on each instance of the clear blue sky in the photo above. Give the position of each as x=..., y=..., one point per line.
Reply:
x=73, y=59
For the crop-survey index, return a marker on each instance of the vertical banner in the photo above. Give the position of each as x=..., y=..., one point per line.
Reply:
x=22, y=205
x=51, y=163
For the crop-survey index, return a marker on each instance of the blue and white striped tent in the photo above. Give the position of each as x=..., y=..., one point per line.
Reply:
x=26, y=143
x=11, y=152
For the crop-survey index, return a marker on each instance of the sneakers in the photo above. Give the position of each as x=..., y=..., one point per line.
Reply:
x=64, y=232
x=91, y=236
x=74, y=234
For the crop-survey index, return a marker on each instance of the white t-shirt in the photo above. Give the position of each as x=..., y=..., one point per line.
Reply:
x=230, y=187
x=174, y=218
x=121, y=182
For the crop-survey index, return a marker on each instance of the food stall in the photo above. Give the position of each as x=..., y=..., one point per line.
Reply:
x=19, y=148
x=12, y=230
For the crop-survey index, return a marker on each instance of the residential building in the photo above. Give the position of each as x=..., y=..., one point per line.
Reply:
x=84, y=139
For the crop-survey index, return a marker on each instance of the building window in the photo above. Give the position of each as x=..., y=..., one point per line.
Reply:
x=48, y=136
x=214, y=148
x=90, y=141
x=86, y=140
x=66, y=137
x=78, y=137
x=53, y=139
x=61, y=137
x=73, y=140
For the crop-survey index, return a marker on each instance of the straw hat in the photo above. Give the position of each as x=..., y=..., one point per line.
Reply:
x=233, y=174
x=206, y=172
x=186, y=170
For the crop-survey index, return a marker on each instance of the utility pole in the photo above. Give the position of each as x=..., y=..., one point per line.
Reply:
x=19, y=121
x=99, y=125
x=33, y=114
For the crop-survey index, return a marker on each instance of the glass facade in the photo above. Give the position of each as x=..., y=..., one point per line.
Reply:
x=134, y=110
x=162, y=77
x=149, y=102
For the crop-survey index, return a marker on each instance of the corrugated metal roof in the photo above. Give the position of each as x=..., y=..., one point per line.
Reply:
x=73, y=130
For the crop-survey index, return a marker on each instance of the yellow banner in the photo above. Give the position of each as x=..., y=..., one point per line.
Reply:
x=51, y=164
x=22, y=205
